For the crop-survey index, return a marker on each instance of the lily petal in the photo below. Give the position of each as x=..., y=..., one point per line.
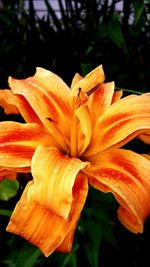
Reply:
x=6, y=173
x=18, y=142
x=147, y=156
x=54, y=177
x=80, y=190
x=11, y=173
x=8, y=102
x=50, y=82
x=77, y=77
x=17, y=104
x=100, y=100
x=26, y=110
x=43, y=93
x=126, y=175
x=66, y=245
x=91, y=80
x=42, y=227
x=116, y=96
x=85, y=128
x=121, y=123
x=145, y=137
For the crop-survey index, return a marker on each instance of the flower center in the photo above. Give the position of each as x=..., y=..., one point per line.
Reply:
x=74, y=130
x=78, y=100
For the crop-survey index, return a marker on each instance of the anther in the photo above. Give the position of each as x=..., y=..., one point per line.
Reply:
x=92, y=90
x=79, y=91
x=50, y=119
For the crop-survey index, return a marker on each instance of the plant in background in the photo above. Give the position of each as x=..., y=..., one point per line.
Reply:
x=87, y=33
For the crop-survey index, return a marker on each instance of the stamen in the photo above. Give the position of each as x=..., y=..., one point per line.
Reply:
x=92, y=90
x=58, y=135
x=79, y=91
x=50, y=119
x=82, y=102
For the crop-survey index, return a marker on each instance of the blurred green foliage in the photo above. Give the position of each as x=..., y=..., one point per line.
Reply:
x=90, y=33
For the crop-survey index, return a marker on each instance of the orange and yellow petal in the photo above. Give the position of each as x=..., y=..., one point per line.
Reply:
x=50, y=82
x=26, y=110
x=121, y=123
x=42, y=92
x=18, y=142
x=17, y=104
x=7, y=173
x=42, y=227
x=100, y=100
x=147, y=156
x=11, y=173
x=126, y=175
x=145, y=137
x=84, y=131
x=66, y=245
x=80, y=191
x=77, y=77
x=54, y=176
x=8, y=102
x=92, y=79
x=117, y=95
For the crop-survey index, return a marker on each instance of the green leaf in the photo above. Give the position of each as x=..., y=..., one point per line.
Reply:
x=95, y=234
x=65, y=259
x=92, y=231
x=108, y=234
x=92, y=255
x=114, y=32
x=100, y=227
x=26, y=256
x=8, y=189
x=4, y=212
x=138, y=10
x=100, y=200
x=31, y=260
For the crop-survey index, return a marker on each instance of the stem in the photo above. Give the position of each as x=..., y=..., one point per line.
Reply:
x=129, y=91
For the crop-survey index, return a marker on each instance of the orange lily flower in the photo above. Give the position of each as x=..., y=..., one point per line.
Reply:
x=71, y=138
